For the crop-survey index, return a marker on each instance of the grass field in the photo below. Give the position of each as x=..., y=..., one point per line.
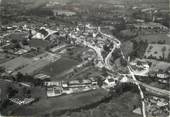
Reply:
x=59, y=66
x=3, y=87
x=127, y=47
x=61, y=103
x=42, y=44
x=119, y=106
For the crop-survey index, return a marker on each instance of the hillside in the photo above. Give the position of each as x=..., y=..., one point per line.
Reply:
x=37, y=3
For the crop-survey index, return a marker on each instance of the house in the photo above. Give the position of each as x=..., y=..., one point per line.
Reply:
x=79, y=84
x=64, y=84
x=53, y=83
x=67, y=90
x=53, y=91
x=42, y=77
x=64, y=12
x=161, y=103
x=150, y=25
x=162, y=75
x=109, y=82
x=124, y=79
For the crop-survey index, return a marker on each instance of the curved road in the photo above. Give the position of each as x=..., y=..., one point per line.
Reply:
x=117, y=44
x=106, y=63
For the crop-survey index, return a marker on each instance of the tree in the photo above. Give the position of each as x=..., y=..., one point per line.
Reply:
x=5, y=104
x=168, y=58
x=25, y=42
x=28, y=93
x=116, y=54
x=2, y=70
x=19, y=76
x=37, y=82
x=123, y=62
x=106, y=48
x=11, y=92
x=100, y=82
x=163, y=52
x=104, y=72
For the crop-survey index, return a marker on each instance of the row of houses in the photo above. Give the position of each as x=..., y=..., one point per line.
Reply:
x=64, y=87
x=57, y=88
x=150, y=27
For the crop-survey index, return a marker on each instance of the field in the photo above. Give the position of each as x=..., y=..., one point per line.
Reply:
x=33, y=67
x=154, y=38
x=3, y=88
x=156, y=51
x=17, y=36
x=119, y=106
x=127, y=47
x=51, y=105
x=16, y=63
x=29, y=65
x=59, y=66
x=156, y=65
x=5, y=57
x=42, y=44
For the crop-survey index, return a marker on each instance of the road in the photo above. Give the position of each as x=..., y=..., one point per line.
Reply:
x=140, y=90
x=117, y=43
x=49, y=34
x=108, y=57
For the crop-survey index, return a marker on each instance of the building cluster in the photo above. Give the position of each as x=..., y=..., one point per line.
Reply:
x=15, y=41
x=149, y=28
x=57, y=88
x=70, y=87
x=161, y=76
x=140, y=67
x=157, y=106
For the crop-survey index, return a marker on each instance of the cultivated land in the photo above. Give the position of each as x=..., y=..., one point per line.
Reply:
x=156, y=51
x=154, y=38
x=16, y=63
x=5, y=57
x=158, y=65
x=29, y=65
